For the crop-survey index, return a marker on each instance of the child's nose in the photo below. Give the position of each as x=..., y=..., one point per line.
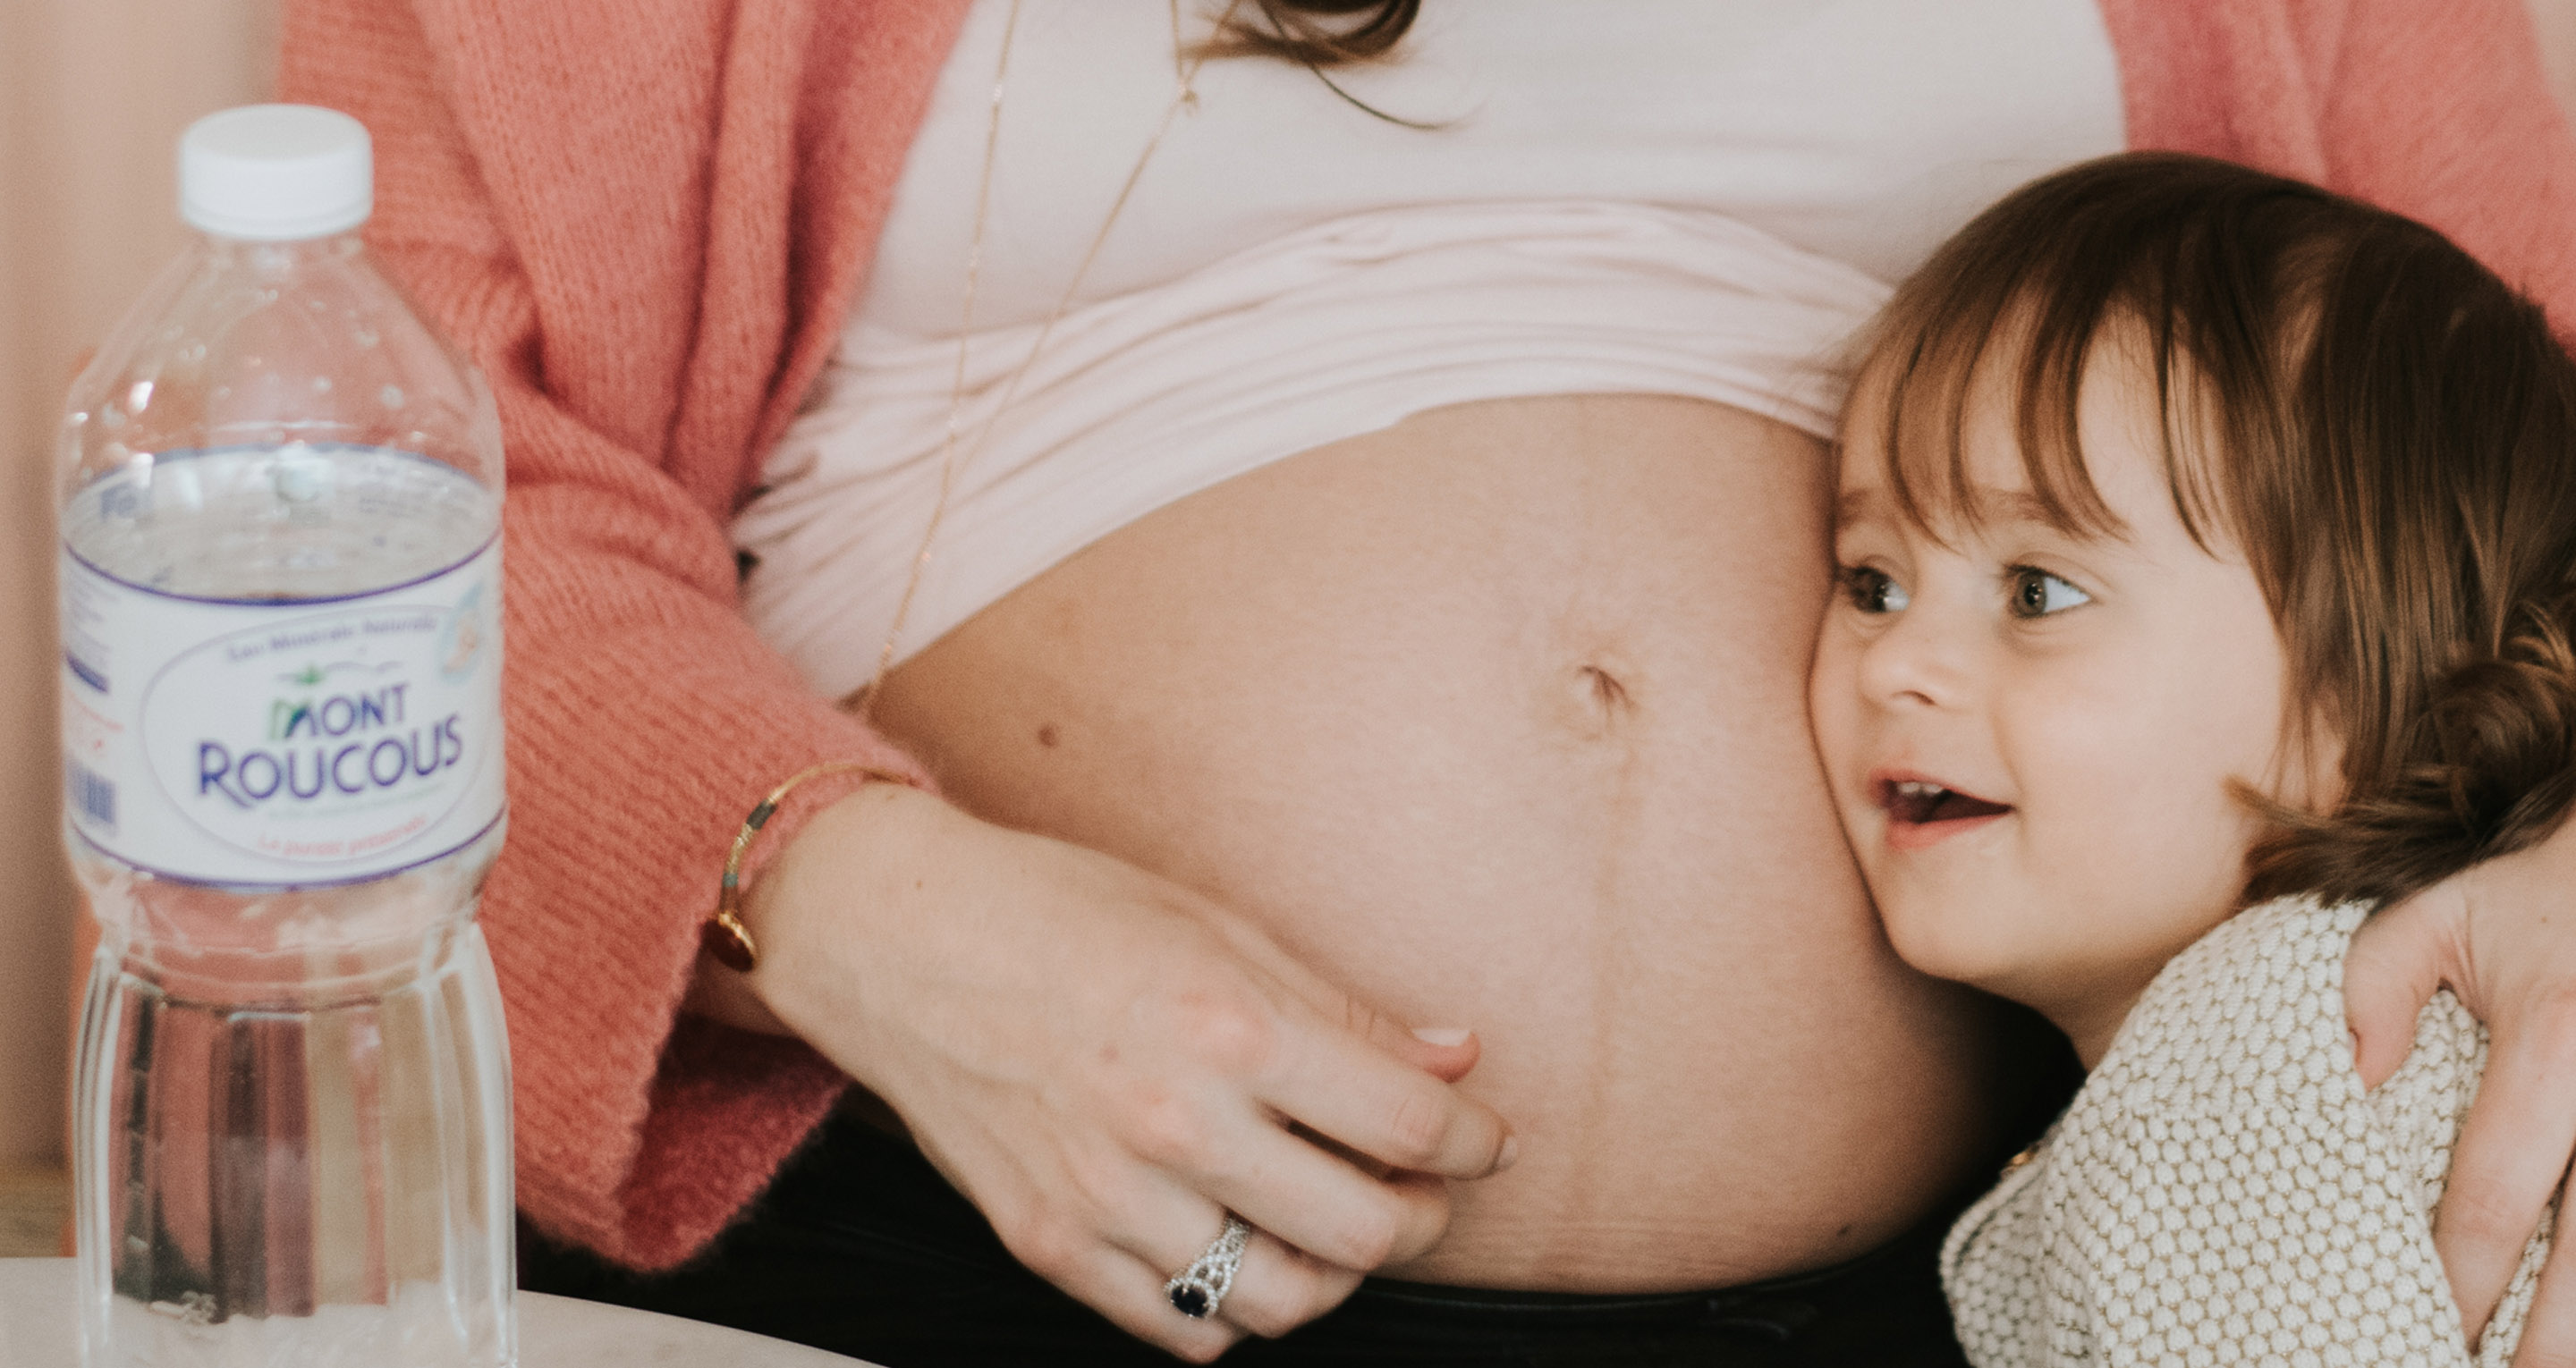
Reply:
x=1917, y=661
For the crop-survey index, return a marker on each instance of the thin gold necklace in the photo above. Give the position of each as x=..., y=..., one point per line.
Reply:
x=1185, y=97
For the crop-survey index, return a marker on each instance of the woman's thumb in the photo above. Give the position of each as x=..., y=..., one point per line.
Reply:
x=2398, y=960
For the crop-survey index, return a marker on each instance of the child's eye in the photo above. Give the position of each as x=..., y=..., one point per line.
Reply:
x=1871, y=591
x=2034, y=593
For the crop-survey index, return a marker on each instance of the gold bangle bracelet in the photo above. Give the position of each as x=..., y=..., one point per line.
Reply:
x=723, y=935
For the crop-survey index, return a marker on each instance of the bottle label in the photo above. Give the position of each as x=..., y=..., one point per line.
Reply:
x=285, y=743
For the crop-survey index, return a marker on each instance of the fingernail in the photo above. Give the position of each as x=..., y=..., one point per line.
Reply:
x=1447, y=1037
x=1510, y=1154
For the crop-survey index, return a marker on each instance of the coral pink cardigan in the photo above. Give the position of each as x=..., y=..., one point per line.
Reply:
x=646, y=219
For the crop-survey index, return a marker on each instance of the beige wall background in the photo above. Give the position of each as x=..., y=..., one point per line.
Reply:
x=93, y=94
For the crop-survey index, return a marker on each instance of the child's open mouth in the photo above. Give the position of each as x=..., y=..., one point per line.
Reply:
x=1920, y=811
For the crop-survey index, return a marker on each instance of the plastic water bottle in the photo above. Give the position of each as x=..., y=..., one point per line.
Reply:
x=280, y=504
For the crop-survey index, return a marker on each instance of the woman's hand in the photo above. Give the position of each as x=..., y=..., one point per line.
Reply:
x=1105, y=1063
x=2503, y=937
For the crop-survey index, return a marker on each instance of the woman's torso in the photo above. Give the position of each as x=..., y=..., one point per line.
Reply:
x=1495, y=719
x=1496, y=715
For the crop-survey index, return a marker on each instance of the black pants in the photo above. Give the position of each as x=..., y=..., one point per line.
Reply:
x=863, y=1249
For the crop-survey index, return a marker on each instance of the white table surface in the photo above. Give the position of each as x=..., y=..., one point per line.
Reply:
x=37, y=1330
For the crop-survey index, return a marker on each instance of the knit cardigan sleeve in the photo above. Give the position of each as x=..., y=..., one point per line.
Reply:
x=642, y=219
x=2442, y=113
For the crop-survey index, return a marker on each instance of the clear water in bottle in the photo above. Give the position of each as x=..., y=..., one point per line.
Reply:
x=280, y=576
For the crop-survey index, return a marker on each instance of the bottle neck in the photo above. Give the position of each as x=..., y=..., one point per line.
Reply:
x=278, y=259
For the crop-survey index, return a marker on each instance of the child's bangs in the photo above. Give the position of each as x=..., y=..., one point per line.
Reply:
x=2016, y=337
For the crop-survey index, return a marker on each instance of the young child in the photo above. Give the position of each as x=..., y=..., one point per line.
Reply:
x=2206, y=545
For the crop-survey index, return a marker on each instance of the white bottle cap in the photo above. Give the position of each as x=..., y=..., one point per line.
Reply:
x=276, y=173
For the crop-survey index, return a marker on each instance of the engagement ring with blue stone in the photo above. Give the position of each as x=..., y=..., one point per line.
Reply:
x=1197, y=1291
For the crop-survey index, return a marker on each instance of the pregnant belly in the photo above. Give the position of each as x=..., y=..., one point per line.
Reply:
x=1497, y=718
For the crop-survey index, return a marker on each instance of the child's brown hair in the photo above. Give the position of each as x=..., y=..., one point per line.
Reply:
x=2381, y=427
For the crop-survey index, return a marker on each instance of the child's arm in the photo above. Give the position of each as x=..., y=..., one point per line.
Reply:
x=2222, y=1186
x=1992, y=1266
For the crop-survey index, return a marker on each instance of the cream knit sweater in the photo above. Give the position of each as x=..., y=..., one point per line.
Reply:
x=2224, y=1191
